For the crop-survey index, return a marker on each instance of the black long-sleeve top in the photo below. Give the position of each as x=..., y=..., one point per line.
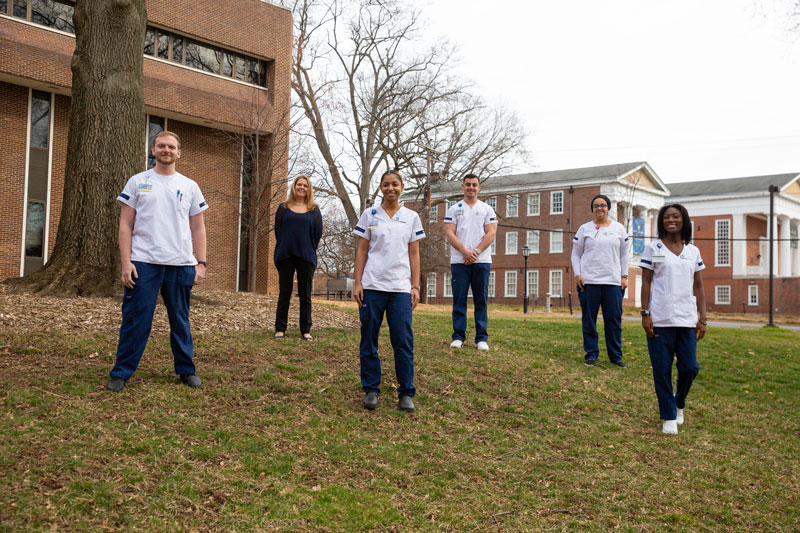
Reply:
x=297, y=234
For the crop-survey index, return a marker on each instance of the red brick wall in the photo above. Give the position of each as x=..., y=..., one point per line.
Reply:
x=13, y=119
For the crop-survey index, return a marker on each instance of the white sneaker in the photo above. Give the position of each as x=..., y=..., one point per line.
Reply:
x=679, y=417
x=670, y=427
x=482, y=346
x=456, y=344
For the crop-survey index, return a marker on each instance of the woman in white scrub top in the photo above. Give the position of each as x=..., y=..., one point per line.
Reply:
x=387, y=282
x=672, y=298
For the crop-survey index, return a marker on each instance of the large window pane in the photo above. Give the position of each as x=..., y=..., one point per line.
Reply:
x=53, y=13
x=163, y=45
x=227, y=64
x=4, y=6
x=241, y=68
x=262, y=78
x=202, y=57
x=149, y=41
x=21, y=8
x=177, y=49
x=252, y=71
x=40, y=119
x=155, y=125
x=34, y=230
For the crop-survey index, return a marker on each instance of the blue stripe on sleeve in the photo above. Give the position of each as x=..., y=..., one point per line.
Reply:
x=359, y=229
x=203, y=204
x=448, y=218
x=575, y=238
x=493, y=219
x=421, y=232
x=646, y=262
x=700, y=264
x=626, y=239
x=124, y=196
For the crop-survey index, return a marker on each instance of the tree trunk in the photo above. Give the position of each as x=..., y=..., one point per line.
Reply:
x=104, y=147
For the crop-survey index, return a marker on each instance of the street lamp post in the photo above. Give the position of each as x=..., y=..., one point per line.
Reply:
x=772, y=190
x=526, y=251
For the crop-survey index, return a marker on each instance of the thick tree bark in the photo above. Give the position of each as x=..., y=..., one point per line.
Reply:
x=104, y=147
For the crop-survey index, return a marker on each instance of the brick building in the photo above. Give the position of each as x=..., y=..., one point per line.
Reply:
x=731, y=220
x=207, y=66
x=543, y=210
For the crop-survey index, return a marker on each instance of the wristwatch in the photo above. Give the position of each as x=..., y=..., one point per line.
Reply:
x=203, y=263
x=645, y=312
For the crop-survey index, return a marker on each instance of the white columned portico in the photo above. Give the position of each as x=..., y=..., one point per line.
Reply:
x=796, y=253
x=785, y=247
x=612, y=210
x=739, y=231
x=773, y=233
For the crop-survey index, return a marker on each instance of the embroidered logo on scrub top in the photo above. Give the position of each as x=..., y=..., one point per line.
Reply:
x=144, y=187
x=373, y=222
x=460, y=210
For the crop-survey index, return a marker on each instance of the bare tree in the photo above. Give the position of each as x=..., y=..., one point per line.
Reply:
x=104, y=147
x=336, y=253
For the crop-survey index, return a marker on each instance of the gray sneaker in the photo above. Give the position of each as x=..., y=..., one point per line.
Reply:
x=406, y=404
x=370, y=400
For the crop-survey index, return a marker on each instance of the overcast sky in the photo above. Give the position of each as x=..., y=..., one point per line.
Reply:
x=701, y=89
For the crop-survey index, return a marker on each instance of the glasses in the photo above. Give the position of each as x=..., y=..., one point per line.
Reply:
x=600, y=206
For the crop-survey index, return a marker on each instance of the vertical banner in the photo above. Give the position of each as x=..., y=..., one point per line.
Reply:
x=638, y=235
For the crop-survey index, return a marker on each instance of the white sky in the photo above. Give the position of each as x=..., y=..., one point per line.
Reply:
x=701, y=89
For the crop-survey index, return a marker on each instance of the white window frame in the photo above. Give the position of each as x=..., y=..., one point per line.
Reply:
x=492, y=202
x=553, y=195
x=722, y=243
x=451, y=203
x=492, y=278
x=512, y=205
x=534, y=207
x=557, y=238
x=493, y=247
x=509, y=250
x=533, y=243
x=433, y=216
x=447, y=288
x=752, y=295
x=430, y=290
x=560, y=276
x=719, y=291
x=511, y=281
x=533, y=283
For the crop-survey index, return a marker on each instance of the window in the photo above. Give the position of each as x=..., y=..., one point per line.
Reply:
x=492, y=202
x=533, y=204
x=51, y=13
x=722, y=295
x=722, y=245
x=533, y=241
x=37, y=185
x=511, y=283
x=555, y=283
x=556, y=241
x=511, y=243
x=493, y=247
x=533, y=283
x=155, y=125
x=512, y=205
x=178, y=49
x=447, y=288
x=430, y=290
x=557, y=202
x=752, y=295
x=434, y=214
x=451, y=203
x=34, y=230
x=491, y=284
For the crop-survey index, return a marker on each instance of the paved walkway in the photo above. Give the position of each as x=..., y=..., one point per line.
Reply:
x=717, y=324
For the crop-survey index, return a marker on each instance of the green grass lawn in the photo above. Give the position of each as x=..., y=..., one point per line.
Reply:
x=521, y=438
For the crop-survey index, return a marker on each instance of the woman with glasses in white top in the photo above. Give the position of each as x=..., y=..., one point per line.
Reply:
x=600, y=264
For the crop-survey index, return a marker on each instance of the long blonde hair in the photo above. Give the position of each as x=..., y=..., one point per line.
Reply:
x=292, y=199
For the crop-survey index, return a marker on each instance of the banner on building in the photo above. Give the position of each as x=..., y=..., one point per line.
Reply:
x=638, y=236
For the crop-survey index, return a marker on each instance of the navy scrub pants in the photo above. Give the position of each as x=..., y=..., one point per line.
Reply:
x=476, y=276
x=397, y=306
x=664, y=347
x=592, y=298
x=139, y=304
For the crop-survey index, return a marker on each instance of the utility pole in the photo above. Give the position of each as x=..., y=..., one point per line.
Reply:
x=772, y=190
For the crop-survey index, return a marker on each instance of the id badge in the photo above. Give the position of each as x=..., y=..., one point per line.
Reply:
x=658, y=258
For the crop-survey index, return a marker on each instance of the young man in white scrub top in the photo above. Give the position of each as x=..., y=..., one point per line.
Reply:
x=160, y=220
x=470, y=226
x=672, y=298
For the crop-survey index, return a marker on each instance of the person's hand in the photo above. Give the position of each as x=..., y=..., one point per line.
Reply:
x=701, y=330
x=199, y=274
x=624, y=283
x=358, y=294
x=579, y=281
x=128, y=273
x=414, y=297
x=647, y=324
x=470, y=257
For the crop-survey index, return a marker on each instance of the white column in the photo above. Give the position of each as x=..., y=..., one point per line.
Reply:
x=785, y=248
x=612, y=210
x=739, y=258
x=796, y=253
x=775, y=246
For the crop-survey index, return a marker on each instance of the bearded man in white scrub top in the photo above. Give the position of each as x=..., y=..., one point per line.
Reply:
x=160, y=220
x=470, y=226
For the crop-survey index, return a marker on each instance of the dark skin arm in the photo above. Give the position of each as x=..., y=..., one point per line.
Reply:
x=647, y=282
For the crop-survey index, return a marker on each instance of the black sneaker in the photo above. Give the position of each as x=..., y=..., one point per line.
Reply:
x=590, y=362
x=116, y=384
x=370, y=400
x=406, y=404
x=191, y=380
x=619, y=363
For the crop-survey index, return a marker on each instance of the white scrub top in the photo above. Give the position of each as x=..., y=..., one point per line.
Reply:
x=600, y=255
x=672, y=301
x=470, y=228
x=163, y=205
x=388, y=268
